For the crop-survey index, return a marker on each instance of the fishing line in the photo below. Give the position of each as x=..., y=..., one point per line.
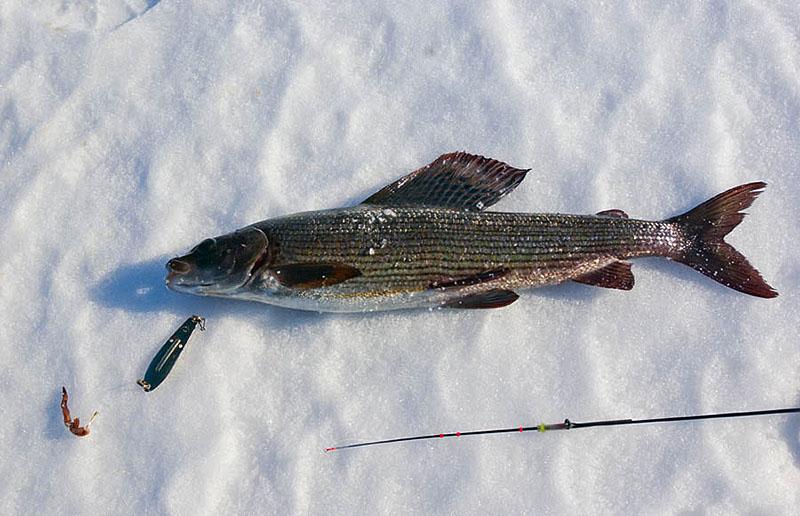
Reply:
x=569, y=425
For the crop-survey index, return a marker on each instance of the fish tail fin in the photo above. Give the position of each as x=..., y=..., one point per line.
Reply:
x=705, y=250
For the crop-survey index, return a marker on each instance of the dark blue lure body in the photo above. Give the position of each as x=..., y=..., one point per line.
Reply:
x=166, y=357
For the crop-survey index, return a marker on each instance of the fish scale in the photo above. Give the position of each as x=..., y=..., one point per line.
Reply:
x=432, y=244
x=460, y=241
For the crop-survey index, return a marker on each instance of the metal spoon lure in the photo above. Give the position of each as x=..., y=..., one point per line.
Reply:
x=166, y=357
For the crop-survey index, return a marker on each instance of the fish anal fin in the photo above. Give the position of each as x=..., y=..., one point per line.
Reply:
x=614, y=213
x=616, y=275
x=495, y=298
x=457, y=180
x=314, y=275
x=472, y=279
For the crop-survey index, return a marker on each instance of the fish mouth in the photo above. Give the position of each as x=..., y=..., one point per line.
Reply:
x=177, y=268
x=179, y=278
x=177, y=271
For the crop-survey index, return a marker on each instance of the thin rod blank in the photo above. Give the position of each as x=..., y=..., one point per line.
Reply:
x=569, y=425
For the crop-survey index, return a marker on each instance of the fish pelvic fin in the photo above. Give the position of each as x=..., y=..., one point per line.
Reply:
x=495, y=298
x=705, y=249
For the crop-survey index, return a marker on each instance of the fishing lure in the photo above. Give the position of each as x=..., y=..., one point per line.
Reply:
x=166, y=357
x=74, y=425
x=569, y=425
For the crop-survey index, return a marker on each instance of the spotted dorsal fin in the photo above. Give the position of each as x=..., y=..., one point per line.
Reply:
x=458, y=180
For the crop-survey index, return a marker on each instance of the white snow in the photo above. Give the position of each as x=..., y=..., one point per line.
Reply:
x=131, y=130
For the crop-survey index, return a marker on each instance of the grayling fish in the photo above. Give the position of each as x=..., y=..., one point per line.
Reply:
x=426, y=241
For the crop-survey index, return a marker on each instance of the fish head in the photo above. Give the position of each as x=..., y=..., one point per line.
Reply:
x=221, y=265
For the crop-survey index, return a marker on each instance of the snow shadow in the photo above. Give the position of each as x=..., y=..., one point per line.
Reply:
x=137, y=287
x=140, y=287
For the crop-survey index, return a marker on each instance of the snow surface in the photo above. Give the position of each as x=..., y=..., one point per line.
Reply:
x=130, y=130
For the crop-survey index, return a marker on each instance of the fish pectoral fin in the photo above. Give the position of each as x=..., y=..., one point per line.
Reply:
x=457, y=180
x=614, y=213
x=314, y=275
x=614, y=275
x=495, y=298
x=472, y=279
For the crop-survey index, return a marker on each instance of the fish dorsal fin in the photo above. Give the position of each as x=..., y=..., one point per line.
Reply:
x=616, y=275
x=617, y=214
x=458, y=180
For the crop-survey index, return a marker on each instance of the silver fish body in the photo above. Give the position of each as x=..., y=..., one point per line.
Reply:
x=401, y=252
x=426, y=241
